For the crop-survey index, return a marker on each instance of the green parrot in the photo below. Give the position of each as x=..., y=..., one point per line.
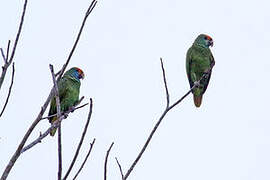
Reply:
x=69, y=89
x=199, y=60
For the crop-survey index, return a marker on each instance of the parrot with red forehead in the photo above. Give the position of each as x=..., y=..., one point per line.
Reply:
x=199, y=61
x=69, y=90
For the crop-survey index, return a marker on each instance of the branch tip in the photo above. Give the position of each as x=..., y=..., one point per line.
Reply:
x=85, y=159
x=10, y=88
x=106, y=160
x=120, y=168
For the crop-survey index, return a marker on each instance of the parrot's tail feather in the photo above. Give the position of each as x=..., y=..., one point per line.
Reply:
x=197, y=100
x=53, y=131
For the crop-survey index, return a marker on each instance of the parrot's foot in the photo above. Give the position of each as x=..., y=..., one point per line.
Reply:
x=196, y=83
x=72, y=109
x=65, y=115
x=207, y=71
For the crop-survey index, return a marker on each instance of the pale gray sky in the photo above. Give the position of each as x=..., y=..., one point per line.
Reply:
x=228, y=137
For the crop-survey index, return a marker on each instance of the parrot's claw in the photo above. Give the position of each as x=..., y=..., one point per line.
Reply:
x=72, y=109
x=196, y=83
x=65, y=115
x=207, y=71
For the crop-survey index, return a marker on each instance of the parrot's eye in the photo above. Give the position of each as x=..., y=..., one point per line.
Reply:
x=205, y=37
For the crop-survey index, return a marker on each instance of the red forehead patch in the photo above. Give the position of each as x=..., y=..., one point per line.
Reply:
x=209, y=38
x=79, y=70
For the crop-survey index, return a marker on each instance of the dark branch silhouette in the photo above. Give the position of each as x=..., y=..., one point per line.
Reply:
x=73, y=108
x=59, y=152
x=54, y=125
x=120, y=168
x=106, y=160
x=6, y=58
x=9, y=91
x=88, y=12
x=58, y=107
x=85, y=159
x=46, y=103
x=81, y=141
x=167, y=109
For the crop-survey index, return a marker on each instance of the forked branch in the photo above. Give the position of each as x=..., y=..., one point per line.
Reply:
x=85, y=159
x=81, y=141
x=6, y=58
x=9, y=90
x=54, y=125
x=167, y=109
x=18, y=151
x=106, y=160
x=88, y=12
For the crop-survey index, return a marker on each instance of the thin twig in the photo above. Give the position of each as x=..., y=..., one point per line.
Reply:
x=56, y=92
x=59, y=153
x=120, y=168
x=26, y=136
x=18, y=33
x=106, y=160
x=89, y=10
x=58, y=107
x=42, y=136
x=7, y=53
x=91, y=7
x=85, y=159
x=9, y=61
x=3, y=55
x=167, y=109
x=43, y=108
x=81, y=141
x=9, y=91
x=165, y=83
x=67, y=112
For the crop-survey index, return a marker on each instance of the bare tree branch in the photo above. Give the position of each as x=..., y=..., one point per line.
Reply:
x=120, y=168
x=85, y=159
x=167, y=109
x=58, y=107
x=81, y=141
x=7, y=53
x=67, y=112
x=89, y=10
x=165, y=83
x=9, y=91
x=59, y=153
x=3, y=55
x=106, y=160
x=9, y=61
x=54, y=125
x=56, y=92
x=26, y=136
x=45, y=105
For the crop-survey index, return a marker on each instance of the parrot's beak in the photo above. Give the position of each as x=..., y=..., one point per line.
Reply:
x=82, y=76
x=211, y=43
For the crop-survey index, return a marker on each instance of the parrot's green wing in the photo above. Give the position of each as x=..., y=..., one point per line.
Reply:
x=62, y=94
x=198, y=61
x=69, y=89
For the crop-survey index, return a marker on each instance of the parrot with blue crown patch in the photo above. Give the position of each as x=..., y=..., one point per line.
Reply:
x=69, y=90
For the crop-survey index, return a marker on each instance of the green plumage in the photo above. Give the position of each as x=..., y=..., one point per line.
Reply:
x=199, y=60
x=69, y=89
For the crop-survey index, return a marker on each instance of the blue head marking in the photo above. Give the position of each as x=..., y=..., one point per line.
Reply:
x=75, y=73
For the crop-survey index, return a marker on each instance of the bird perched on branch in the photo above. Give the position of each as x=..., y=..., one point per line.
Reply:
x=199, y=62
x=69, y=90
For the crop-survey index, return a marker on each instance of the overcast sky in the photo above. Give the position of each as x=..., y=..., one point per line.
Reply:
x=228, y=137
